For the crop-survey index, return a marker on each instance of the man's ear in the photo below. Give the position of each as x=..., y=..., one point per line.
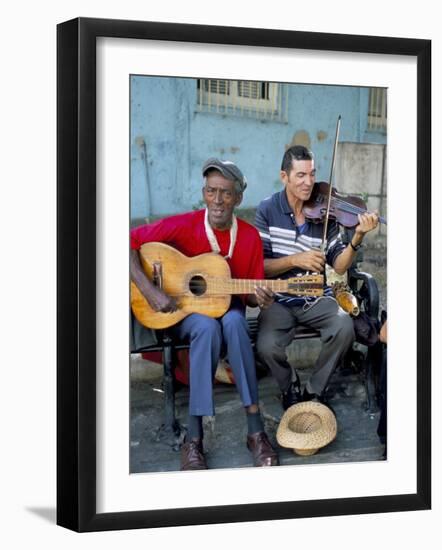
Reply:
x=238, y=199
x=283, y=177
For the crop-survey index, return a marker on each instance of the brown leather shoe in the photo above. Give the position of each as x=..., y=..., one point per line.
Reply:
x=192, y=456
x=262, y=452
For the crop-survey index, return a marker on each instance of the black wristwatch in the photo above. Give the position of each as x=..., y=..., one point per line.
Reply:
x=357, y=247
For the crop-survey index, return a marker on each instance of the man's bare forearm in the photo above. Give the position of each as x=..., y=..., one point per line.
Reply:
x=275, y=266
x=157, y=299
x=138, y=275
x=311, y=260
x=344, y=260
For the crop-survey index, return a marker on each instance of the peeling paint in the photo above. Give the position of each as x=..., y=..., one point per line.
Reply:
x=321, y=135
x=301, y=137
x=139, y=140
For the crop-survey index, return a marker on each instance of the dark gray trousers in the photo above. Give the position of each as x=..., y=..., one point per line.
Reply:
x=277, y=328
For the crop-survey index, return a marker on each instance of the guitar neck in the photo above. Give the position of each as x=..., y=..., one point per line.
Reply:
x=247, y=286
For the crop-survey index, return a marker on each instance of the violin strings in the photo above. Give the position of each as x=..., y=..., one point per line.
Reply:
x=351, y=207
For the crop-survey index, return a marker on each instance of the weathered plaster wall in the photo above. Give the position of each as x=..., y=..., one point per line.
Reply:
x=170, y=141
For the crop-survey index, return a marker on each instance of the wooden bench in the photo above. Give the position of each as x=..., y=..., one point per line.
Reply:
x=364, y=287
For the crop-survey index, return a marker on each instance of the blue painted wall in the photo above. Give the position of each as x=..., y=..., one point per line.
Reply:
x=170, y=140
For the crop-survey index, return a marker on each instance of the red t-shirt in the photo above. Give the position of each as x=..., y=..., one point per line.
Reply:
x=186, y=233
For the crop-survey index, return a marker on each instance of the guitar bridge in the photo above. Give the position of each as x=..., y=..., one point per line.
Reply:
x=158, y=274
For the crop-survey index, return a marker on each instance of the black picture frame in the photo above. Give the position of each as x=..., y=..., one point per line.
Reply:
x=76, y=273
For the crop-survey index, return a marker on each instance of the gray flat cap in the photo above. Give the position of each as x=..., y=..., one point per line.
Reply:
x=228, y=169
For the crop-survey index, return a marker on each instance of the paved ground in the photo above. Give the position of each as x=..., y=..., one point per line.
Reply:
x=225, y=433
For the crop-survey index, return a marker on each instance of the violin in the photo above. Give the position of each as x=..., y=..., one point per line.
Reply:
x=343, y=208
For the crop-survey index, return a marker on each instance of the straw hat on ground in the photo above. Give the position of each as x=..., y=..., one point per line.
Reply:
x=306, y=427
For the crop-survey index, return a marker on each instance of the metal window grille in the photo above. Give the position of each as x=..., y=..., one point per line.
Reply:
x=248, y=98
x=377, y=110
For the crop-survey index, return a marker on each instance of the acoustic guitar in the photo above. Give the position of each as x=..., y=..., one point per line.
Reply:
x=201, y=284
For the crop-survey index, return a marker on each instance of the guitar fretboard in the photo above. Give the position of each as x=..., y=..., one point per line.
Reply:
x=247, y=286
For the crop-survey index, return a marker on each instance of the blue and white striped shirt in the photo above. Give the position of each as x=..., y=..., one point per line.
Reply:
x=281, y=236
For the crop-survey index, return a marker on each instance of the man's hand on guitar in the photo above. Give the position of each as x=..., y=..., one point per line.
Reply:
x=264, y=297
x=160, y=301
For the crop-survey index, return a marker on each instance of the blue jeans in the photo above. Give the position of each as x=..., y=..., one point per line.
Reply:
x=209, y=338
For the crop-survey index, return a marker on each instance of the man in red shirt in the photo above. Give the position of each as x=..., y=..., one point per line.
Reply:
x=215, y=229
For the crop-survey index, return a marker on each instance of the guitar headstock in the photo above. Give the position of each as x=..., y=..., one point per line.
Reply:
x=306, y=285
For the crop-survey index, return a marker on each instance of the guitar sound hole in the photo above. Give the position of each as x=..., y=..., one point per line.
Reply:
x=197, y=285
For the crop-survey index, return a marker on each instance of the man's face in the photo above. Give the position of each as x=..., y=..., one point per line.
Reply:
x=221, y=198
x=299, y=182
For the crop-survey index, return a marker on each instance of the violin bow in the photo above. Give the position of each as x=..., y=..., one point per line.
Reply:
x=327, y=214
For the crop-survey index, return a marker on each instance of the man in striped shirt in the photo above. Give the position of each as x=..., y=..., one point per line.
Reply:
x=291, y=245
